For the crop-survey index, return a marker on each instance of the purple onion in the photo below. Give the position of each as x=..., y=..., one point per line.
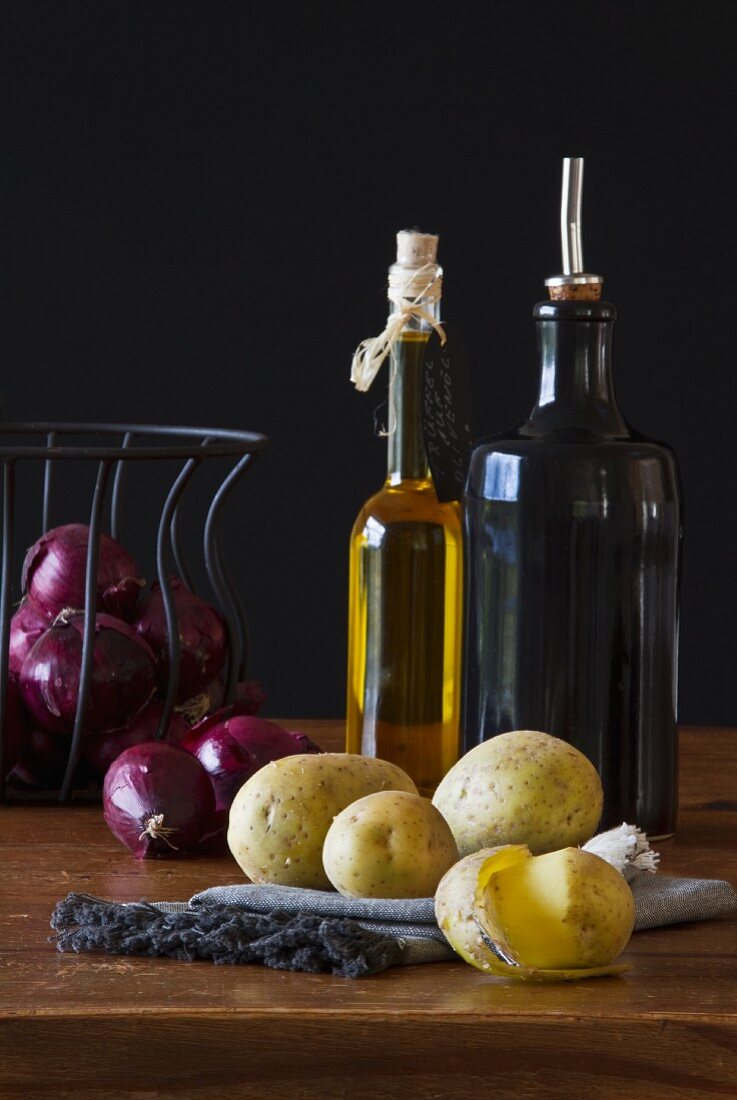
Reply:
x=157, y=800
x=123, y=674
x=100, y=749
x=232, y=746
x=14, y=733
x=202, y=638
x=26, y=627
x=43, y=759
x=249, y=698
x=54, y=572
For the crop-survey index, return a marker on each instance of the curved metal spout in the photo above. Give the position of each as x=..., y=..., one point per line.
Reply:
x=570, y=215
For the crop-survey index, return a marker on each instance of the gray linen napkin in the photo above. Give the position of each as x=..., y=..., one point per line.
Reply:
x=659, y=900
x=666, y=899
x=409, y=921
x=320, y=932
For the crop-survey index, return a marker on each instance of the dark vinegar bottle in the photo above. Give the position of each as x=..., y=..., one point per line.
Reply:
x=573, y=530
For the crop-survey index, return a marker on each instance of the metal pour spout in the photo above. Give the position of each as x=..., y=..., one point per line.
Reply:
x=570, y=215
x=574, y=282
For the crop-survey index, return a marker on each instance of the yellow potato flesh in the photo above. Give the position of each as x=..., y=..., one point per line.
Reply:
x=533, y=902
x=466, y=914
x=567, y=913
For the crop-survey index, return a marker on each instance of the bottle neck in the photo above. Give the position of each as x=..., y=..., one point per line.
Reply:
x=407, y=459
x=576, y=386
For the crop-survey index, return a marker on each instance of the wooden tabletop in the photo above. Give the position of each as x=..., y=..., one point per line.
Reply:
x=94, y=1026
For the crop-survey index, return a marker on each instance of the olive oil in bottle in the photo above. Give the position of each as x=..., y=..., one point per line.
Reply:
x=406, y=562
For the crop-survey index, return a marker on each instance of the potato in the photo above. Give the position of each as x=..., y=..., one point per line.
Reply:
x=388, y=845
x=280, y=816
x=560, y=916
x=454, y=902
x=563, y=909
x=522, y=787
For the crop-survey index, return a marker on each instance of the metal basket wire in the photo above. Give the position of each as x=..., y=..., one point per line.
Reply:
x=114, y=447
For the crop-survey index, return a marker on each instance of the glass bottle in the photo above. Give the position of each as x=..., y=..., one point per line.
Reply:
x=573, y=529
x=405, y=598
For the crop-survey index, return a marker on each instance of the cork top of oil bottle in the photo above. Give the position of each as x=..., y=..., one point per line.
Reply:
x=414, y=249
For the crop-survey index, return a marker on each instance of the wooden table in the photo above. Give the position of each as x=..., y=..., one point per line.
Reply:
x=94, y=1026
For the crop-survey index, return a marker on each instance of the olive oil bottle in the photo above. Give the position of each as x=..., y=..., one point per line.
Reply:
x=406, y=561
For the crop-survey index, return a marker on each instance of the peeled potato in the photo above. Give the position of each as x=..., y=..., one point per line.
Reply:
x=559, y=916
x=522, y=787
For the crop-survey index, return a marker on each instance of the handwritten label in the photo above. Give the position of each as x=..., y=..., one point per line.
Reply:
x=446, y=414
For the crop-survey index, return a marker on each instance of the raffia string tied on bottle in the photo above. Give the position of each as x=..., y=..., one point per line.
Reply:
x=409, y=293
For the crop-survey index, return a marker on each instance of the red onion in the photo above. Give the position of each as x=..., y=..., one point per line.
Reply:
x=249, y=698
x=123, y=674
x=100, y=749
x=26, y=626
x=157, y=800
x=232, y=746
x=15, y=726
x=202, y=638
x=207, y=702
x=43, y=759
x=54, y=572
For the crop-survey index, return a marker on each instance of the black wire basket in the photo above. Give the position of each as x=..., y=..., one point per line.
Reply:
x=113, y=447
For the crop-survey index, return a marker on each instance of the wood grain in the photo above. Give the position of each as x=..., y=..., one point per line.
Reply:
x=94, y=1026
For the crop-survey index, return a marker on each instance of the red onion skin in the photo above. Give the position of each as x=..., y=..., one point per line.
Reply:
x=197, y=708
x=26, y=627
x=249, y=697
x=157, y=779
x=202, y=638
x=100, y=749
x=123, y=675
x=16, y=722
x=54, y=572
x=232, y=746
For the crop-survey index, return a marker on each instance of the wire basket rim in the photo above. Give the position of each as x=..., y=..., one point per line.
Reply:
x=204, y=442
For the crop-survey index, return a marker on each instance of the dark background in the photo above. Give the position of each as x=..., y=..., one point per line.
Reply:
x=199, y=204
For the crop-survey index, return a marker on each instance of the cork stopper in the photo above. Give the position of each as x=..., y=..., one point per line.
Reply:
x=416, y=271
x=574, y=284
x=415, y=249
x=570, y=292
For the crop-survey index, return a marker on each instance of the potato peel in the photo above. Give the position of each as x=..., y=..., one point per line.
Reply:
x=508, y=969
